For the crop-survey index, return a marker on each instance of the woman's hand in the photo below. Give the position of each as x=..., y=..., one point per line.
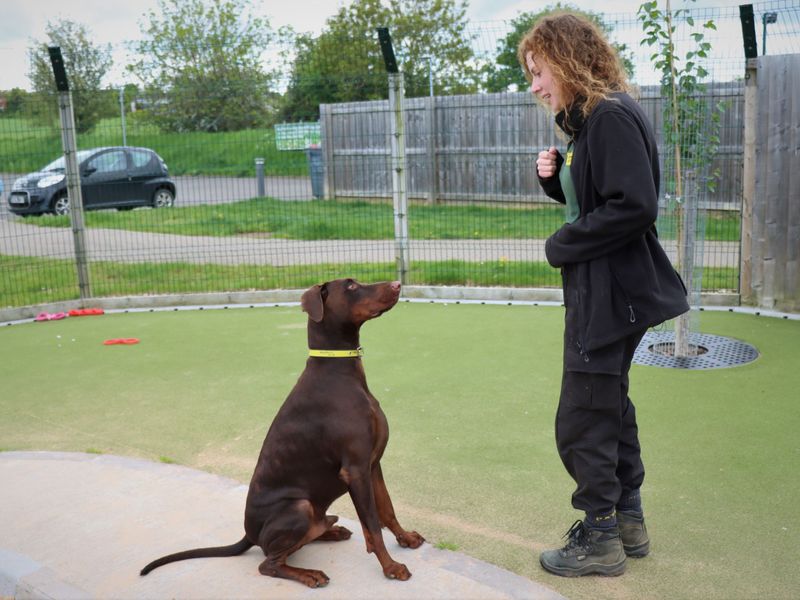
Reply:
x=546, y=162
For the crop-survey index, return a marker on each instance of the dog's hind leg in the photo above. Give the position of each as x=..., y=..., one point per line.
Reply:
x=335, y=533
x=292, y=529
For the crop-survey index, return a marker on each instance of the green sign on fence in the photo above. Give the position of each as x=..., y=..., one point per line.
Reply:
x=296, y=136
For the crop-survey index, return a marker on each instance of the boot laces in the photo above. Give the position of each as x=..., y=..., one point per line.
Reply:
x=578, y=541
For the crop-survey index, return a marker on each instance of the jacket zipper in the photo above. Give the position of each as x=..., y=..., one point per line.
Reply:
x=628, y=303
x=581, y=346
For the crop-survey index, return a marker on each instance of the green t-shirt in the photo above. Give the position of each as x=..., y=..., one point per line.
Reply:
x=571, y=211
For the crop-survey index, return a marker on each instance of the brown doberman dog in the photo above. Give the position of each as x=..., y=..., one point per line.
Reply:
x=326, y=440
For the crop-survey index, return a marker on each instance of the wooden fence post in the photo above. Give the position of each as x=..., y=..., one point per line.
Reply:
x=748, y=181
x=433, y=169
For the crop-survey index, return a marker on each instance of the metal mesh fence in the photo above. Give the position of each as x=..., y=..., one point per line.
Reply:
x=306, y=193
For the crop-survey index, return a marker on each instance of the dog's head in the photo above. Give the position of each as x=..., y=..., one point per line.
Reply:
x=348, y=301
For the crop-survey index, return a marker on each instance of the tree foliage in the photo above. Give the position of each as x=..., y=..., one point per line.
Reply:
x=692, y=120
x=16, y=99
x=344, y=63
x=506, y=75
x=86, y=64
x=201, y=65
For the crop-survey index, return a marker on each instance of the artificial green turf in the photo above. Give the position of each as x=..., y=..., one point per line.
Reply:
x=470, y=392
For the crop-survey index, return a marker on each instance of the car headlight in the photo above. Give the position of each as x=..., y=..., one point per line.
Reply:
x=50, y=180
x=20, y=184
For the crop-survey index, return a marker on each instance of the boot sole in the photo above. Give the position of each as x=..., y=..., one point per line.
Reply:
x=590, y=569
x=639, y=551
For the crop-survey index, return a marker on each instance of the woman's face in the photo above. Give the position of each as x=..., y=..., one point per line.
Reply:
x=543, y=85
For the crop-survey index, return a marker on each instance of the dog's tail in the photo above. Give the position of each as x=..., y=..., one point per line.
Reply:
x=236, y=549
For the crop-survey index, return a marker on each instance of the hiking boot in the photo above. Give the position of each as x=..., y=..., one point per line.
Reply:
x=588, y=552
x=633, y=532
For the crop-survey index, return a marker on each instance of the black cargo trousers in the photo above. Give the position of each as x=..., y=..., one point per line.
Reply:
x=596, y=431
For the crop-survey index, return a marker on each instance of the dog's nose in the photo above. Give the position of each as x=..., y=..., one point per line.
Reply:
x=395, y=286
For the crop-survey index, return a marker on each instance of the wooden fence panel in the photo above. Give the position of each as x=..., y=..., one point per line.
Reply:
x=771, y=258
x=483, y=147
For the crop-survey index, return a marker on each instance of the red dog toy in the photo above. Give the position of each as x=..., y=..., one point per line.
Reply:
x=121, y=341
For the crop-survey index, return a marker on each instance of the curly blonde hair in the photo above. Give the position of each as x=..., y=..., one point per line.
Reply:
x=584, y=65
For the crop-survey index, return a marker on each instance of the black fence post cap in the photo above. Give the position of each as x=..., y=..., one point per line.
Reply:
x=62, y=84
x=386, y=48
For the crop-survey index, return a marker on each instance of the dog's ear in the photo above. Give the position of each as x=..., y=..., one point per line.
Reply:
x=312, y=303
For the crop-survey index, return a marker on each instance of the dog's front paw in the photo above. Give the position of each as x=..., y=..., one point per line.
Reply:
x=396, y=570
x=410, y=539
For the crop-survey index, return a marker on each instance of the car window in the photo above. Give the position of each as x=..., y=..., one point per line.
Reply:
x=59, y=164
x=140, y=158
x=109, y=161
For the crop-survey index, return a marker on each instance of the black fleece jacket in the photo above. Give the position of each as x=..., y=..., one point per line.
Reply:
x=615, y=272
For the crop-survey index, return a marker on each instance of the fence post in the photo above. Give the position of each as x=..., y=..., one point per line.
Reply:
x=122, y=116
x=73, y=176
x=260, y=177
x=398, y=143
x=399, y=192
x=327, y=140
x=432, y=163
x=748, y=181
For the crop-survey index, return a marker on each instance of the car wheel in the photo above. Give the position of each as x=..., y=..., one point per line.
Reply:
x=163, y=198
x=61, y=204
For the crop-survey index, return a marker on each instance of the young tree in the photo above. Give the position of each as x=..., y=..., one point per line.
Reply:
x=344, y=63
x=506, y=75
x=200, y=64
x=691, y=133
x=86, y=64
x=692, y=121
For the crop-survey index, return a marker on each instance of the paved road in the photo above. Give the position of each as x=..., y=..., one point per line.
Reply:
x=210, y=190
x=220, y=190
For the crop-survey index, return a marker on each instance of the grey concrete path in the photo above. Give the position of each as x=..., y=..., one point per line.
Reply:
x=18, y=238
x=82, y=526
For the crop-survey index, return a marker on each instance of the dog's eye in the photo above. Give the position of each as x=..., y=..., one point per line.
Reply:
x=352, y=286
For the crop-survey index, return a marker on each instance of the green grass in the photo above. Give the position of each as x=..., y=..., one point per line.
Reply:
x=444, y=545
x=358, y=220
x=716, y=225
x=30, y=281
x=470, y=393
x=329, y=220
x=27, y=145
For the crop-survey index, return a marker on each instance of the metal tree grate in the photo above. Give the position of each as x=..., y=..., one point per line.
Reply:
x=712, y=351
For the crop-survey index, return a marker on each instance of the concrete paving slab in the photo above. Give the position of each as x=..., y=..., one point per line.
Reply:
x=82, y=526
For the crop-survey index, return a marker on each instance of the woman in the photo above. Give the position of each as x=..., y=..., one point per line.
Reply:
x=617, y=281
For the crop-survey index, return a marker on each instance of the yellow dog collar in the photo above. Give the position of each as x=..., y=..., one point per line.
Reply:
x=337, y=353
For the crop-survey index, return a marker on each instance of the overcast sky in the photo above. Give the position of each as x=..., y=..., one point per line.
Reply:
x=117, y=21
